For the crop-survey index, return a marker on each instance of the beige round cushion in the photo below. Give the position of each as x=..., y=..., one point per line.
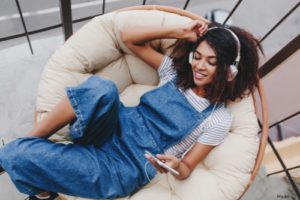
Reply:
x=97, y=49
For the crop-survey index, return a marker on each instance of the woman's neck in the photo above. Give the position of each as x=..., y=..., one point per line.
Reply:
x=199, y=91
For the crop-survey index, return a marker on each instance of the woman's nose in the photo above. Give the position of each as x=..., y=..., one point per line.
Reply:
x=201, y=64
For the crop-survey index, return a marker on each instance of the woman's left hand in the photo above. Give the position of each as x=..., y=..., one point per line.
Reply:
x=193, y=30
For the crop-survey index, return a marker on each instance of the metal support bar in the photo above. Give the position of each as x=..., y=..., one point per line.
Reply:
x=280, y=21
x=232, y=11
x=66, y=17
x=284, y=168
x=280, y=159
x=144, y=2
x=287, y=118
x=186, y=4
x=45, y=29
x=279, y=132
x=280, y=56
x=24, y=26
x=85, y=18
x=103, y=7
x=278, y=172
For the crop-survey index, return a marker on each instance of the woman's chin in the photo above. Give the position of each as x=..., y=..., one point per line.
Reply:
x=199, y=82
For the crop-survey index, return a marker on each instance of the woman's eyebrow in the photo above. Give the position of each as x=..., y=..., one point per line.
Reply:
x=207, y=56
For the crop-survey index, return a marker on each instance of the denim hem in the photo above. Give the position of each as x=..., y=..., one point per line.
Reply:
x=76, y=129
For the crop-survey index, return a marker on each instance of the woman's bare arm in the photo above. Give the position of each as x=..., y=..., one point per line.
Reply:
x=139, y=35
x=192, y=159
x=137, y=38
x=187, y=164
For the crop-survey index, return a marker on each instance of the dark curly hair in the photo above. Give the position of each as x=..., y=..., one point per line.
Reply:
x=225, y=47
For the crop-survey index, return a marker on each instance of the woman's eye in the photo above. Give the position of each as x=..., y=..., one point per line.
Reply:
x=212, y=63
x=197, y=57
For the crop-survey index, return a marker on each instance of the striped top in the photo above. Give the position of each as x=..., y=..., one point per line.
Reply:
x=212, y=131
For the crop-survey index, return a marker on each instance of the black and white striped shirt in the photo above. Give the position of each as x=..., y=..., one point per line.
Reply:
x=212, y=131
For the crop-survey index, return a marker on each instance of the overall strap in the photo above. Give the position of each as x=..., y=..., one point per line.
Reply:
x=208, y=111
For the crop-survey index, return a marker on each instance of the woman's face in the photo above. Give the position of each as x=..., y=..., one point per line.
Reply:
x=204, y=64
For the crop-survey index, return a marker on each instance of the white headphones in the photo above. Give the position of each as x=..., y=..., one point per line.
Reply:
x=233, y=70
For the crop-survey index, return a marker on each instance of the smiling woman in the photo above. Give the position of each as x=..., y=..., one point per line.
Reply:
x=181, y=121
x=229, y=53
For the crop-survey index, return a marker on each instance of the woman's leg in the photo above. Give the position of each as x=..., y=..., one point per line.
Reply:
x=96, y=105
x=61, y=115
x=36, y=165
x=96, y=102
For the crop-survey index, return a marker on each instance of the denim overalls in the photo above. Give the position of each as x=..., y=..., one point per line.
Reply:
x=107, y=159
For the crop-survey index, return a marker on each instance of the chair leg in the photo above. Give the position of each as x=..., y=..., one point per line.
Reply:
x=284, y=168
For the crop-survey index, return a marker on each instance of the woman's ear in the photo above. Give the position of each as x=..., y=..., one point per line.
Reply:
x=191, y=57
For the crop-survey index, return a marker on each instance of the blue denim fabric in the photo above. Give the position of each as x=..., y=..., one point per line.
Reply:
x=107, y=159
x=96, y=104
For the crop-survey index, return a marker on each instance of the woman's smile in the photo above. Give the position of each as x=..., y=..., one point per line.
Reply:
x=199, y=75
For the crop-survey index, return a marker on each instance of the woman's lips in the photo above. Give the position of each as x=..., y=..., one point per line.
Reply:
x=199, y=75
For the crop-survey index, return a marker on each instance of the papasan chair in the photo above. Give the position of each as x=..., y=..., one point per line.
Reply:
x=225, y=174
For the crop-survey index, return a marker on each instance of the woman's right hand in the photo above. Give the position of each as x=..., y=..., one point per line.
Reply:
x=170, y=160
x=193, y=30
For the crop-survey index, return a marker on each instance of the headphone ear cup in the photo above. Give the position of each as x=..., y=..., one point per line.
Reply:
x=232, y=72
x=191, y=57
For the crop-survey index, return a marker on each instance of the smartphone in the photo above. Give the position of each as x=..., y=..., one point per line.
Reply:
x=162, y=164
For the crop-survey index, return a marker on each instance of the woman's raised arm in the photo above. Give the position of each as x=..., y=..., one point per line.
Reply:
x=137, y=38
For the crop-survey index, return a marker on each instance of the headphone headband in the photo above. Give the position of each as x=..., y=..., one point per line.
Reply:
x=233, y=68
x=238, y=57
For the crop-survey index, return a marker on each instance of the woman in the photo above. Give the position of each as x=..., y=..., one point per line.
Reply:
x=181, y=121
